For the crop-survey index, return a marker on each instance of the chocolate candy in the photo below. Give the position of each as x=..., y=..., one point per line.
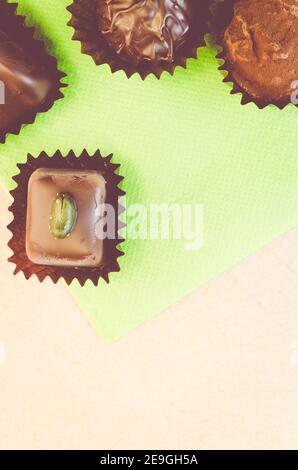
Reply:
x=64, y=211
x=141, y=36
x=260, y=48
x=29, y=79
x=148, y=30
x=66, y=217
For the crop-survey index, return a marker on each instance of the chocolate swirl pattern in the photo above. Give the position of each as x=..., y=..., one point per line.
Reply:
x=145, y=30
x=141, y=37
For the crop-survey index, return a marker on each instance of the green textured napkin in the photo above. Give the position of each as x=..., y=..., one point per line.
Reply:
x=182, y=139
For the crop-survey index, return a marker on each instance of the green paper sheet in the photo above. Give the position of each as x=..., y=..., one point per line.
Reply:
x=180, y=139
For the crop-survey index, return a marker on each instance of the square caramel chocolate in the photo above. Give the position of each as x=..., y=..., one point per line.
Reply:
x=80, y=194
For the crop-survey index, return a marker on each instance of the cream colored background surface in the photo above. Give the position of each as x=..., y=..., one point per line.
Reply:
x=218, y=370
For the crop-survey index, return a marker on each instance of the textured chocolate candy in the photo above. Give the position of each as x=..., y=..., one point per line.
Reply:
x=261, y=48
x=141, y=36
x=147, y=30
x=64, y=211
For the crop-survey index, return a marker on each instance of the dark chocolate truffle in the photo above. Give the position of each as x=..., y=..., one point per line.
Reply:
x=261, y=48
x=145, y=30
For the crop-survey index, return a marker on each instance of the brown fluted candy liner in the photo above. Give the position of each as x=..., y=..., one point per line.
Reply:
x=84, y=20
x=222, y=15
x=17, y=243
x=13, y=24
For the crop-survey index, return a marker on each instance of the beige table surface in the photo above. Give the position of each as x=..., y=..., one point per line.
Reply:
x=218, y=370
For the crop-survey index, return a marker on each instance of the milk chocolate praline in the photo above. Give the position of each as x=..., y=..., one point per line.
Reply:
x=260, y=48
x=148, y=36
x=66, y=217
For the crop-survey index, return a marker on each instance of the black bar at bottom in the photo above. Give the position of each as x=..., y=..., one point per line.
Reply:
x=141, y=458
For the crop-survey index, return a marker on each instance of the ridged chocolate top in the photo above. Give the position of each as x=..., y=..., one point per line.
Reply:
x=145, y=30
